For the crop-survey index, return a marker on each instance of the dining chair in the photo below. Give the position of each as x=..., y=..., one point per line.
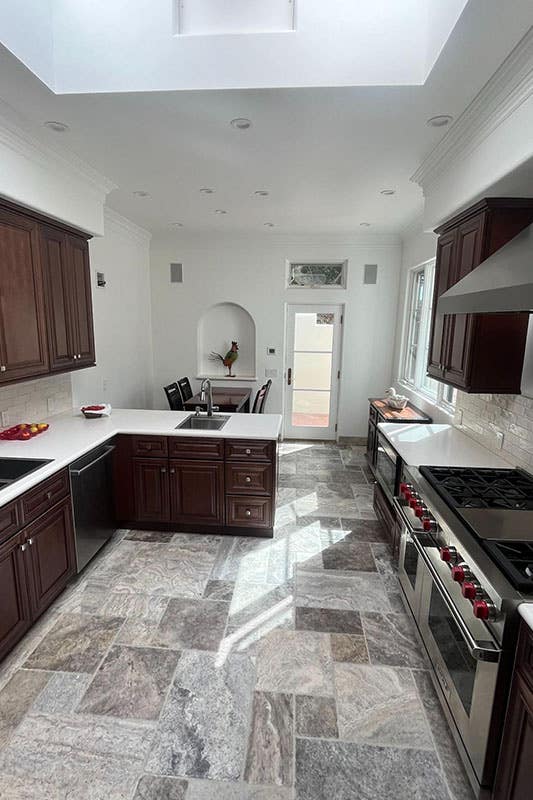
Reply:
x=261, y=398
x=174, y=397
x=184, y=386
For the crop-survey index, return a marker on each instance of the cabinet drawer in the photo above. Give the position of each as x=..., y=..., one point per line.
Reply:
x=249, y=478
x=248, y=512
x=249, y=450
x=524, y=659
x=373, y=414
x=45, y=495
x=149, y=446
x=189, y=447
x=10, y=520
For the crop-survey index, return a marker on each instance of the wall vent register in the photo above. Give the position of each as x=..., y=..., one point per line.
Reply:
x=176, y=273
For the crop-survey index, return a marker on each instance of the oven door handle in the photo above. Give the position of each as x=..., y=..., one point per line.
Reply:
x=478, y=650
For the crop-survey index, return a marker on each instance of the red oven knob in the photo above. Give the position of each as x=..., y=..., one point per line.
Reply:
x=429, y=524
x=420, y=511
x=404, y=488
x=458, y=573
x=414, y=502
x=448, y=554
x=481, y=609
x=469, y=590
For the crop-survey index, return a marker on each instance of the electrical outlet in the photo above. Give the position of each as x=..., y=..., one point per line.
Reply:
x=105, y=385
x=51, y=405
x=5, y=419
x=499, y=439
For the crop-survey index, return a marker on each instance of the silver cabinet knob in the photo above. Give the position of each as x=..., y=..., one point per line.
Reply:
x=30, y=541
x=48, y=495
x=163, y=470
x=2, y=368
x=23, y=547
x=248, y=513
x=248, y=479
x=248, y=451
x=172, y=471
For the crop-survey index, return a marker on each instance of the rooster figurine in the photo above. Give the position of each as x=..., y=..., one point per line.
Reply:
x=229, y=359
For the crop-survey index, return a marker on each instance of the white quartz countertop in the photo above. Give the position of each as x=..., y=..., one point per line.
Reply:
x=526, y=612
x=438, y=446
x=70, y=436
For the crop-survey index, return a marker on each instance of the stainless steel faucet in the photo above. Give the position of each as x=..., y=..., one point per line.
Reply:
x=206, y=385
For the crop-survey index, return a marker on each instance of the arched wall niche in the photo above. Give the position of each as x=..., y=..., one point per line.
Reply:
x=218, y=326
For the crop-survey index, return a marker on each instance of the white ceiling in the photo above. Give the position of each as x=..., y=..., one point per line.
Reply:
x=138, y=45
x=324, y=154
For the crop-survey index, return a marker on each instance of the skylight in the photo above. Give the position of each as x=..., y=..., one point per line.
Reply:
x=212, y=17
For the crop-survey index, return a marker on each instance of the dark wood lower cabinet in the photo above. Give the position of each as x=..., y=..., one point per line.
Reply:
x=35, y=566
x=197, y=492
x=15, y=616
x=227, y=486
x=514, y=778
x=152, y=492
x=52, y=556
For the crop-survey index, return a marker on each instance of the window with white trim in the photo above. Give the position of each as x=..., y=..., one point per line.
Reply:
x=416, y=342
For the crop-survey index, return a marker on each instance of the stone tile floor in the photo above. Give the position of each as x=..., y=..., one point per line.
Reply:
x=187, y=667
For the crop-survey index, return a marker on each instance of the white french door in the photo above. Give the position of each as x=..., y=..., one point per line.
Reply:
x=313, y=348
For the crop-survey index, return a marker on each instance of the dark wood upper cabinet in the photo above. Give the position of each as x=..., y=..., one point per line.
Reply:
x=23, y=348
x=477, y=352
x=82, y=309
x=46, y=320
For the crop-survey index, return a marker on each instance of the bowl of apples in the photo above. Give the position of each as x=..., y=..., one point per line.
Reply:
x=96, y=411
x=23, y=431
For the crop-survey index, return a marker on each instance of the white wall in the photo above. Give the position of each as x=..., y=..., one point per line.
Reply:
x=123, y=374
x=58, y=185
x=252, y=272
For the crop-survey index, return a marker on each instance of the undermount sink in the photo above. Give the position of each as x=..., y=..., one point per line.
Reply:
x=194, y=423
x=12, y=469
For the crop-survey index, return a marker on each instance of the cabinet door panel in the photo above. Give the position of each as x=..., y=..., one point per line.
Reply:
x=197, y=492
x=150, y=478
x=23, y=347
x=513, y=780
x=446, y=247
x=58, y=303
x=81, y=300
x=52, y=553
x=15, y=614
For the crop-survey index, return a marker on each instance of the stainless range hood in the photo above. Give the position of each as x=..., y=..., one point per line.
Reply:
x=503, y=282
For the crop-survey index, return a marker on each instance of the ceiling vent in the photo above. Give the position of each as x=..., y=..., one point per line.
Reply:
x=176, y=273
x=216, y=17
x=371, y=273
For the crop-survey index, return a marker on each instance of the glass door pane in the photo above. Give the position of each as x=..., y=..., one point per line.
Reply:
x=313, y=356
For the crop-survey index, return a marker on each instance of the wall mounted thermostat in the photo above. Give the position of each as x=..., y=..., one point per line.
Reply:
x=271, y=351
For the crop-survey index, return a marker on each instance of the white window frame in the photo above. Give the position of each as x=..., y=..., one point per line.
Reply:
x=326, y=286
x=441, y=397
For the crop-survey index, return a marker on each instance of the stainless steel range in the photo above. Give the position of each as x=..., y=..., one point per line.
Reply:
x=466, y=562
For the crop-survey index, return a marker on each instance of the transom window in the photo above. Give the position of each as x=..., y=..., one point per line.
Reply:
x=317, y=275
x=417, y=333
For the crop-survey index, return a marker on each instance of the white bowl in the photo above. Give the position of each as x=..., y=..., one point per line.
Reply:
x=398, y=403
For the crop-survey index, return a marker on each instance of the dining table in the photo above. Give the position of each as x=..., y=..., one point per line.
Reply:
x=231, y=399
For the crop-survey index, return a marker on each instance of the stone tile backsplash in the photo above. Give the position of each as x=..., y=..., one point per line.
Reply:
x=501, y=422
x=33, y=400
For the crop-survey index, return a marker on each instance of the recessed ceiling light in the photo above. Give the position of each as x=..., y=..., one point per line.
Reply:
x=220, y=211
x=364, y=224
x=141, y=193
x=57, y=127
x=241, y=123
x=440, y=121
x=207, y=190
x=177, y=224
x=268, y=224
x=261, y=193
x=388, y=192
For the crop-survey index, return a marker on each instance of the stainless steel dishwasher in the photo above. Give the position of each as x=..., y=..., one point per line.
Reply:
x=91, y=479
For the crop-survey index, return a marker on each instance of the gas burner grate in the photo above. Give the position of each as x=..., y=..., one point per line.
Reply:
x=516, y=560
x=482, y=488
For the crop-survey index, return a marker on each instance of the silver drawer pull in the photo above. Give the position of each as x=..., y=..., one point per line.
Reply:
x=248, y=479
x=48, y=495
x=23, y=547
x=29, y=541
x=248, y=513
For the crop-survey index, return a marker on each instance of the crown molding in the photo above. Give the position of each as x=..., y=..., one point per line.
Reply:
x=509, y=87
x=21, y=142
x=125, y=226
